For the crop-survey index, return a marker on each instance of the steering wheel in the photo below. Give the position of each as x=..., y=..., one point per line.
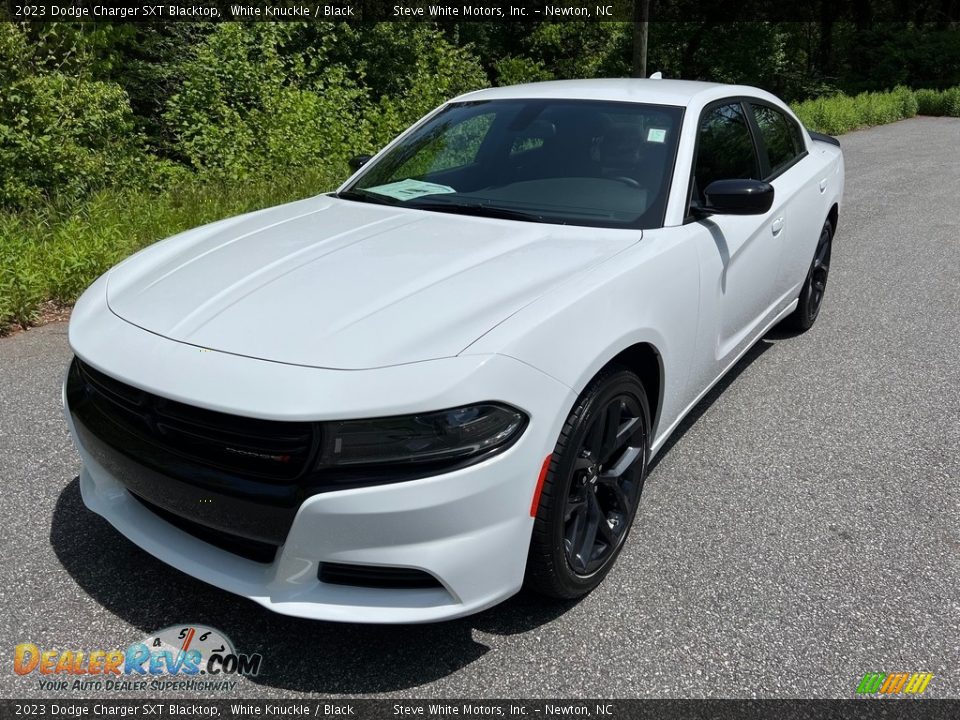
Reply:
x=627, y=181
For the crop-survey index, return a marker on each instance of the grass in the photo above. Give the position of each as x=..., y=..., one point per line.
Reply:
x=53, y=252
x=939, y=102
x=838, y=114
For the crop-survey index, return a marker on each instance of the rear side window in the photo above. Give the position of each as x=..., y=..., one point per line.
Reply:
x=725, y=148
x=781, y=136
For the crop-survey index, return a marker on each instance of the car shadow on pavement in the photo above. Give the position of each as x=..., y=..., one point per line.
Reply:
x=752, y=355
x=301, y=655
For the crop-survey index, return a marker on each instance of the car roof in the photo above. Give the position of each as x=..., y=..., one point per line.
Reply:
x=654, y=91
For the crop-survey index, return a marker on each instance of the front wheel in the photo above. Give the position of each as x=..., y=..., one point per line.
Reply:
x=811, y=296
x=592, y=488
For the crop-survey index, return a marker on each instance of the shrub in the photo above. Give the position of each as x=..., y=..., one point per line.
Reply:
x=838, y=114
x=907, y=100
x=60, y=135
x=834, y=115
x=951, y=102
x=939, y=102
x=245, y=109
x=254, y=102
x=929, y=102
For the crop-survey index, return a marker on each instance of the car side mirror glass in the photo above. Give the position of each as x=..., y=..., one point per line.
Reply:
x=358, y=161
x=737, y=197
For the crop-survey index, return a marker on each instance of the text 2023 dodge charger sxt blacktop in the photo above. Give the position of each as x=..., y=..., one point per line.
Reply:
x=400, y=401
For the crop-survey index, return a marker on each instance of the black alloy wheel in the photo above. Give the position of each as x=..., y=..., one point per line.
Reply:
x=814, y=287
x=592, y=488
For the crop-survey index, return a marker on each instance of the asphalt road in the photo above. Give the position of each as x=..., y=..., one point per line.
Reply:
x=802, y=528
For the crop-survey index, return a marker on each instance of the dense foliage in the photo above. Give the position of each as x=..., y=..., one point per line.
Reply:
x=112, y=135
x=87, y=106
x=231, y=101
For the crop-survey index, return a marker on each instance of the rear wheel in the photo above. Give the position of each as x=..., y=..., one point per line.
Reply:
x=592, y=488
x=814, y=287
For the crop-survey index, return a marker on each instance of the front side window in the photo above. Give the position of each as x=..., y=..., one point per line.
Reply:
x=781, y=136
x=578, y=162
x=725, y=149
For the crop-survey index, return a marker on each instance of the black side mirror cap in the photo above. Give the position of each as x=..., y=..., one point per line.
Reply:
x=358, y=161
x=737, y=197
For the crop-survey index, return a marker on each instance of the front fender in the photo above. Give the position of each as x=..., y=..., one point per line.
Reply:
x=648, y=294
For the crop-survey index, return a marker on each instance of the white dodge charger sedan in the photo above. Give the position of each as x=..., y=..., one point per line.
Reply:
x=404, y=400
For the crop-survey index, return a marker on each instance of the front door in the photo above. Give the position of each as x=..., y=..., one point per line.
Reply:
x=739, y=254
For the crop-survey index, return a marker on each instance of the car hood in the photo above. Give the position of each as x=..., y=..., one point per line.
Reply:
x=338, y=284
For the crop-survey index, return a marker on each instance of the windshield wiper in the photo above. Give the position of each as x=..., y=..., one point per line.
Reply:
x=362, y=195
x=478, y=209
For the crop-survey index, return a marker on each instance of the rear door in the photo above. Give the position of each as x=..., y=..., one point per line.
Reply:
x=797, y=206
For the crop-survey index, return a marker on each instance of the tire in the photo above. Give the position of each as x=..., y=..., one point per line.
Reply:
x=814, y=287
x=593, y=484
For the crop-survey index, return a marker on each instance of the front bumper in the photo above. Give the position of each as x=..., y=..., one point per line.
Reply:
x=469, y=529
x=444, y=526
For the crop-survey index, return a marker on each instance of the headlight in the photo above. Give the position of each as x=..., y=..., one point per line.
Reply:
x=444, y=436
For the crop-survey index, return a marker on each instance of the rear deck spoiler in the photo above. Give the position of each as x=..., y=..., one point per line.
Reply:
x=823, y=138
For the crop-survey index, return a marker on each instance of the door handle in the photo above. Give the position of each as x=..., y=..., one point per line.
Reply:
x=823, y=185
x=777, y=226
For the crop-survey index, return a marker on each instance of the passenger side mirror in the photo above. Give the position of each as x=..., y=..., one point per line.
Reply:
x=736, y=197
x=358, y=161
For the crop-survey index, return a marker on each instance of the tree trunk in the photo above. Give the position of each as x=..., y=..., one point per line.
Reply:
x=641, y=18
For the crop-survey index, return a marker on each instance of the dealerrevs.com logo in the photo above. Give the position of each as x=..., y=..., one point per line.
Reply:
x=180, y=657
x=894, y=683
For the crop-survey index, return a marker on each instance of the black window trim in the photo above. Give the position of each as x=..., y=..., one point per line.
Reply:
x=765, y=155
x=759, y=147
x=751, y=126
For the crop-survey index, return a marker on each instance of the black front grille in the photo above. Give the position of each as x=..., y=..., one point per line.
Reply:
x=240, y=476
x=248, y=447
x=372, y=576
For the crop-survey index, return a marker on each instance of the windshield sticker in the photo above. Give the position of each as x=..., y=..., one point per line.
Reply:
x=657, y=135
x=409, y=189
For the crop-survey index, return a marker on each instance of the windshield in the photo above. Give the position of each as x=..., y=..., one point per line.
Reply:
x=603, y=164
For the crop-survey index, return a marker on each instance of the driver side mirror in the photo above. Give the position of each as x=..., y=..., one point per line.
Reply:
x=737, y=197
x=358, y=161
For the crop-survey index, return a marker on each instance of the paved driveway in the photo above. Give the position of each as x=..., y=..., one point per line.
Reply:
x=802, y=528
